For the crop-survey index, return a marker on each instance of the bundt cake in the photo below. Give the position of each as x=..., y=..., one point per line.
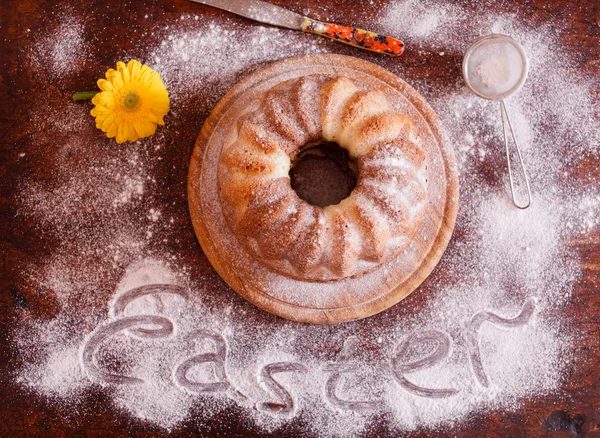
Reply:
x=303, y=241
x=323, y=189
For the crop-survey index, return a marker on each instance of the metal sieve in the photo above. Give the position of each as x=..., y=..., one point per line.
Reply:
x=515, y=67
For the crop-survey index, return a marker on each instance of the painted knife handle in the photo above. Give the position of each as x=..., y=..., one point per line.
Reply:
x=362, y=39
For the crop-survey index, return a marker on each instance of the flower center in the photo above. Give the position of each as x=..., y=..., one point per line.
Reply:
x=131, y=101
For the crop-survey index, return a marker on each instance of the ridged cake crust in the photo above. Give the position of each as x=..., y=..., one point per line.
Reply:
x=280, y=230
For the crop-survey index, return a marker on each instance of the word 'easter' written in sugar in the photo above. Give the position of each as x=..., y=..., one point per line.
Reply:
x=438, y=349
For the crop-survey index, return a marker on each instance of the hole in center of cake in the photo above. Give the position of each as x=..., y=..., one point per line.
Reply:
x=323, y=174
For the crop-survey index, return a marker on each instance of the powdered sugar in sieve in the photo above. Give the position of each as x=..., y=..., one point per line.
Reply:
x=494, y=67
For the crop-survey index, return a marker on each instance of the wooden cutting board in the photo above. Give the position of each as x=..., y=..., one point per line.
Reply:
x=347, y=299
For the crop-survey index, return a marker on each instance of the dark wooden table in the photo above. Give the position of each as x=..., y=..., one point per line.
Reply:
x=110, y=25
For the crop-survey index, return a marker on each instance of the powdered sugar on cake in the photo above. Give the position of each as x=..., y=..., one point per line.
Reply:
x=499, y=260
x=373, y=225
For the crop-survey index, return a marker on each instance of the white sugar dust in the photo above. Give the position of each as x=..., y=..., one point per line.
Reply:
x=166, y=341
x=494, y=68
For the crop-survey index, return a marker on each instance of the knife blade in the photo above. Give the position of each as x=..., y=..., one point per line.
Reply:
x=268, y=13
x=260, y=11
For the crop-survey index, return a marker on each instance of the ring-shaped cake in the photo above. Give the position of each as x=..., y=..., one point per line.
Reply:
x=309, y=242
x=343, y=261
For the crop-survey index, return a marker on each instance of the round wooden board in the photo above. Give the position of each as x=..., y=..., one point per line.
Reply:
x=351, y=298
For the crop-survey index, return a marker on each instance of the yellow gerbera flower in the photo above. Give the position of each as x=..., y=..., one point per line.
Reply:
x=133, y=101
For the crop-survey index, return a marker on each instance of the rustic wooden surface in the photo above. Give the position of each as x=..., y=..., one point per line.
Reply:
x=575, y=410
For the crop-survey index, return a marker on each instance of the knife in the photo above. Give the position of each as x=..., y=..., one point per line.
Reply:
x=268, y=13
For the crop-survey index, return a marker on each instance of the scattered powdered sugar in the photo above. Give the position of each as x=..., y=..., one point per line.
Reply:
x=123, y=178
x=56, y=371
x=586, y=213
x=416, y=22
x=485, y=317
x=188, y=60
x=62, y=50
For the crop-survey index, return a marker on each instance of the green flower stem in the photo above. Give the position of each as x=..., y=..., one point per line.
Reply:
x=84, y=95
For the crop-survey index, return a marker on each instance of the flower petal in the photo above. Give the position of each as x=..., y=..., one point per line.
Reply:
x=144, y=128
x=128, y=131
x=108, y=121
x=112, y=129
x=105, y=85
x=134, y=68
x=107, y=99
x=115, y=78
x=120, y=133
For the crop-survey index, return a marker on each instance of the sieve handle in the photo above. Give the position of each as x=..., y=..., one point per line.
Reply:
x=504, y=112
